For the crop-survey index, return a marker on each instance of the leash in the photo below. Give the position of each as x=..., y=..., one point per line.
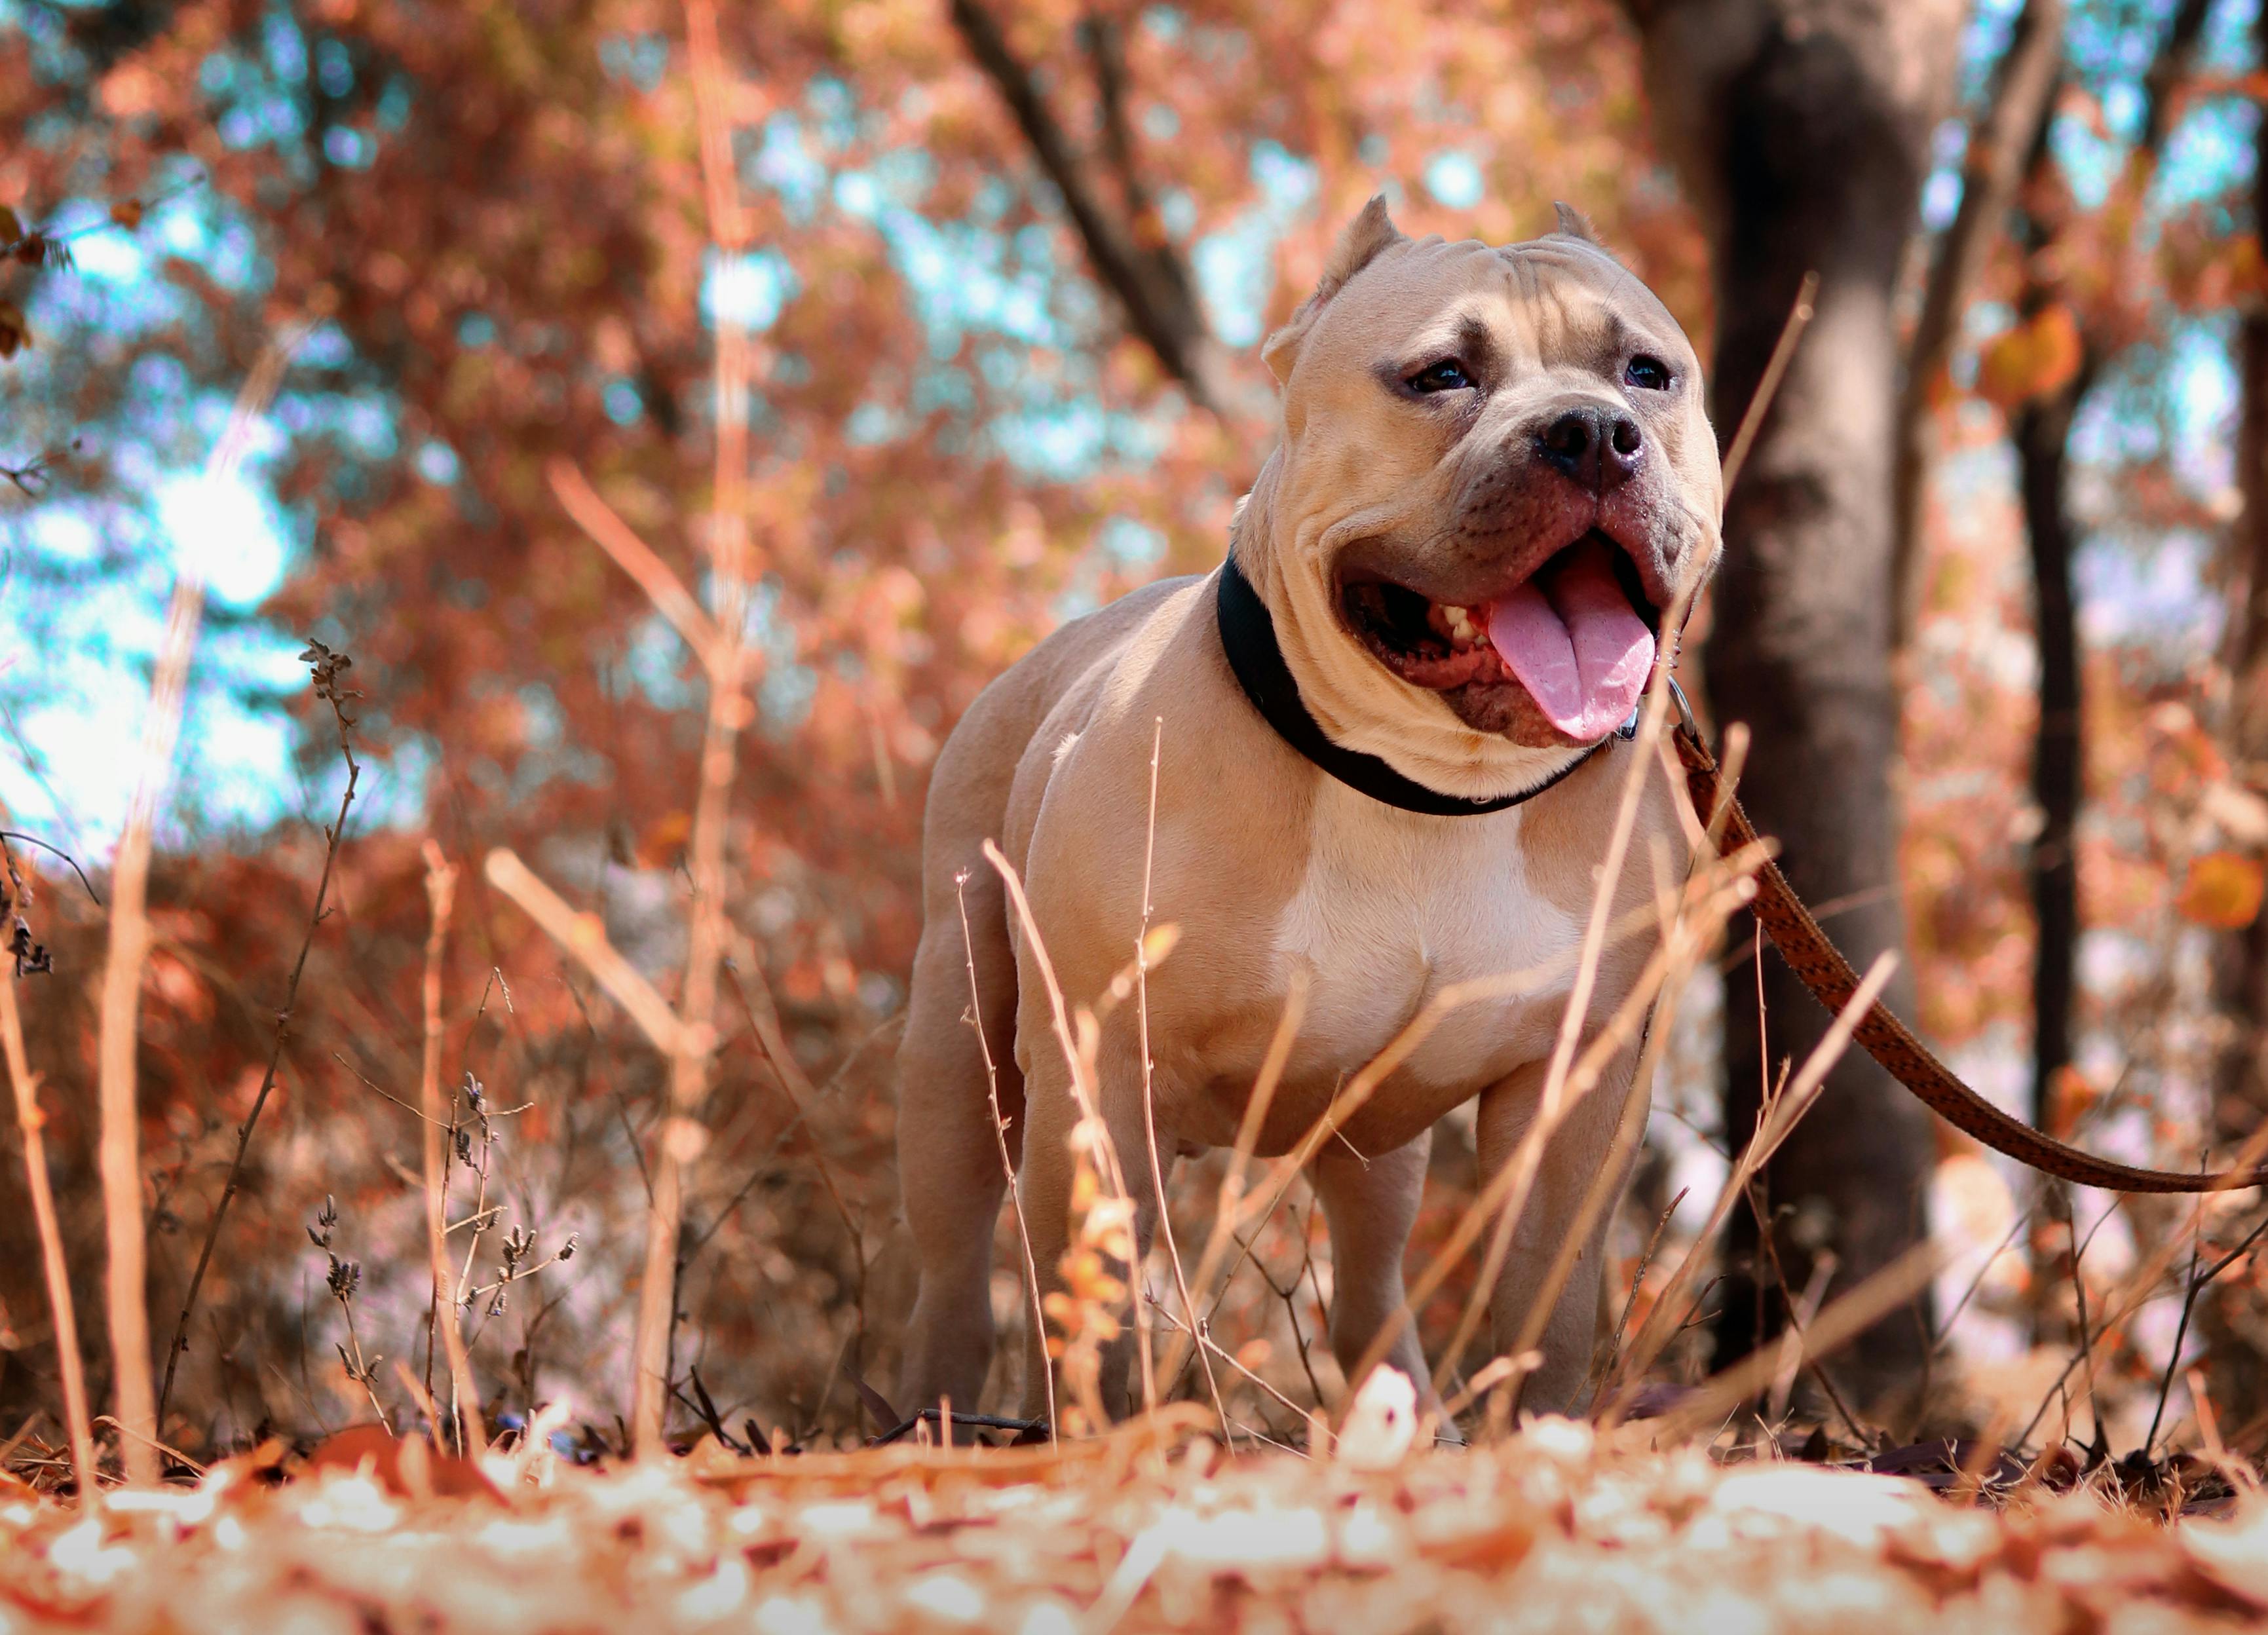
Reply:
x=1814, y=957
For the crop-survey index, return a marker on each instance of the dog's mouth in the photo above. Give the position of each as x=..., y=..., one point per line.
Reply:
x=1577, y=637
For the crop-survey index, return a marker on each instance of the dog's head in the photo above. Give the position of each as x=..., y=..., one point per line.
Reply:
x=1497, y=475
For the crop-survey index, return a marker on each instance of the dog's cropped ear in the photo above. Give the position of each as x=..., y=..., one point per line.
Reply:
x=1574, y=225
x=1365, y=238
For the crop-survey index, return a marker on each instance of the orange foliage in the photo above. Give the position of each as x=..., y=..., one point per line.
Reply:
x=2031, y=359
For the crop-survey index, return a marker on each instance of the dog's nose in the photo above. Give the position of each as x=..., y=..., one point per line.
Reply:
x=1597, y=446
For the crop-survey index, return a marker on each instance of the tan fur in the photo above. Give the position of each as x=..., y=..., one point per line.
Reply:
x=1266, y=865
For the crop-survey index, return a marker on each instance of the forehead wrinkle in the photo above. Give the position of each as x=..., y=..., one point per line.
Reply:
x=1535, y=263
x=1525, y=297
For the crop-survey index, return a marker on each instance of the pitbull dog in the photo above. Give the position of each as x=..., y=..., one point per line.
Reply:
x=1496, y=472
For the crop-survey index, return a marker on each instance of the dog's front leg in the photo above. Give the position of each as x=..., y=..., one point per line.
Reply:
x=1573, y=1155
x=1371, y=1204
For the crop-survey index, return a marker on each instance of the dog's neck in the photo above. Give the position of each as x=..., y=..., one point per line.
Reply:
x=1248, y=634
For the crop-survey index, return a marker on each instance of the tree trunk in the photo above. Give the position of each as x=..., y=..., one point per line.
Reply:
x=1802, y=130
x=2043, y=434
x=2242, y=978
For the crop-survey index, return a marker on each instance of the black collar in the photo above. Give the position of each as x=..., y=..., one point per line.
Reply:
x=1249, y=633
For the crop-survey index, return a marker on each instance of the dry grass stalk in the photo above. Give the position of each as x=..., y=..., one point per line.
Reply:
x=121, y=1146
x=1687, y=941
x=1686, y=931
x=746, y=967
x=30, y=1121
x=1840, y=1322
x=1358, y=1090
x=1079, y=1062
x=2141, y=1284
x=1142, y=951
x=1794, y=1344
x=1777, y=1119
x=1685, y=938
x=1752, y=418
x=446, y=1309
x=1000, y=1136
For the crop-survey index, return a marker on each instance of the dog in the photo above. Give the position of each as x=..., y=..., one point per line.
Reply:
x=1495, y=475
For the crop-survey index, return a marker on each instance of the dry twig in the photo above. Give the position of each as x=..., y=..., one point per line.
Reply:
x=29, y=1122
x=130, y=949
x=444, y=1311
x=327, y=668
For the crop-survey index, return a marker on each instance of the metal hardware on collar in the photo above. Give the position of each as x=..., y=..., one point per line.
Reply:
x=1684, y=710
x=1247, y=635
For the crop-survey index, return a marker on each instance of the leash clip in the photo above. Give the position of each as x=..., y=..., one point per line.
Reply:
x=1692, y=728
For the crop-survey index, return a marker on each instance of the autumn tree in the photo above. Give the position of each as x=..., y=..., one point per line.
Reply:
x=1802, y=134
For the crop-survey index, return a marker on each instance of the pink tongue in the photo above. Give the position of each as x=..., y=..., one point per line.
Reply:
x=1578, y=647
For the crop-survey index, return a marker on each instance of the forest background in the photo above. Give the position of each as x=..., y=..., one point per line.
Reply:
x=993, y=277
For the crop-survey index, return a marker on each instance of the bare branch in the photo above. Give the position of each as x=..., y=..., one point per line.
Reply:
x=2169, y=72
x=1106, y=49
x=2024, y=88
x=585, y=936
x=1151, y=283
x=635, y=557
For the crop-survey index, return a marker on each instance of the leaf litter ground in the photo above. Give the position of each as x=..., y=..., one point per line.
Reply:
x=1556, y=1527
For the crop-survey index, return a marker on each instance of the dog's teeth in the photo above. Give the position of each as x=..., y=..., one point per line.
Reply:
x=1461, y=628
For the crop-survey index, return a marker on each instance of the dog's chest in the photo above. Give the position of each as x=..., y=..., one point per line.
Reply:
x=1393, y=911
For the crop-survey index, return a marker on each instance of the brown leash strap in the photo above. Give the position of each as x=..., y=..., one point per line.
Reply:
x=1813, y=957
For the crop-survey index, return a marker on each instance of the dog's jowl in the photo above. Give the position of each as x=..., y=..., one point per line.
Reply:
x=1390, y=762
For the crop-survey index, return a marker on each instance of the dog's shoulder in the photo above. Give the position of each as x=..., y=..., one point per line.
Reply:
x=1008, y=715
x=1101, y=638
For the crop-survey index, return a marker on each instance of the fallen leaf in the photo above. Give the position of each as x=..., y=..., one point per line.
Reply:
x=393, y=1463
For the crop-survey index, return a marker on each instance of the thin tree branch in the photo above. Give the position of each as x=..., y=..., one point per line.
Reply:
x=1151, y=281
x=585, y=936
x=635, y=557
x=2023, y=86
x=2169, y=72
x=683, y=1136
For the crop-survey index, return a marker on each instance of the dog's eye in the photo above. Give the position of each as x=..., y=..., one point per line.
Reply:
x=1647, y=372
x=1448, y=375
